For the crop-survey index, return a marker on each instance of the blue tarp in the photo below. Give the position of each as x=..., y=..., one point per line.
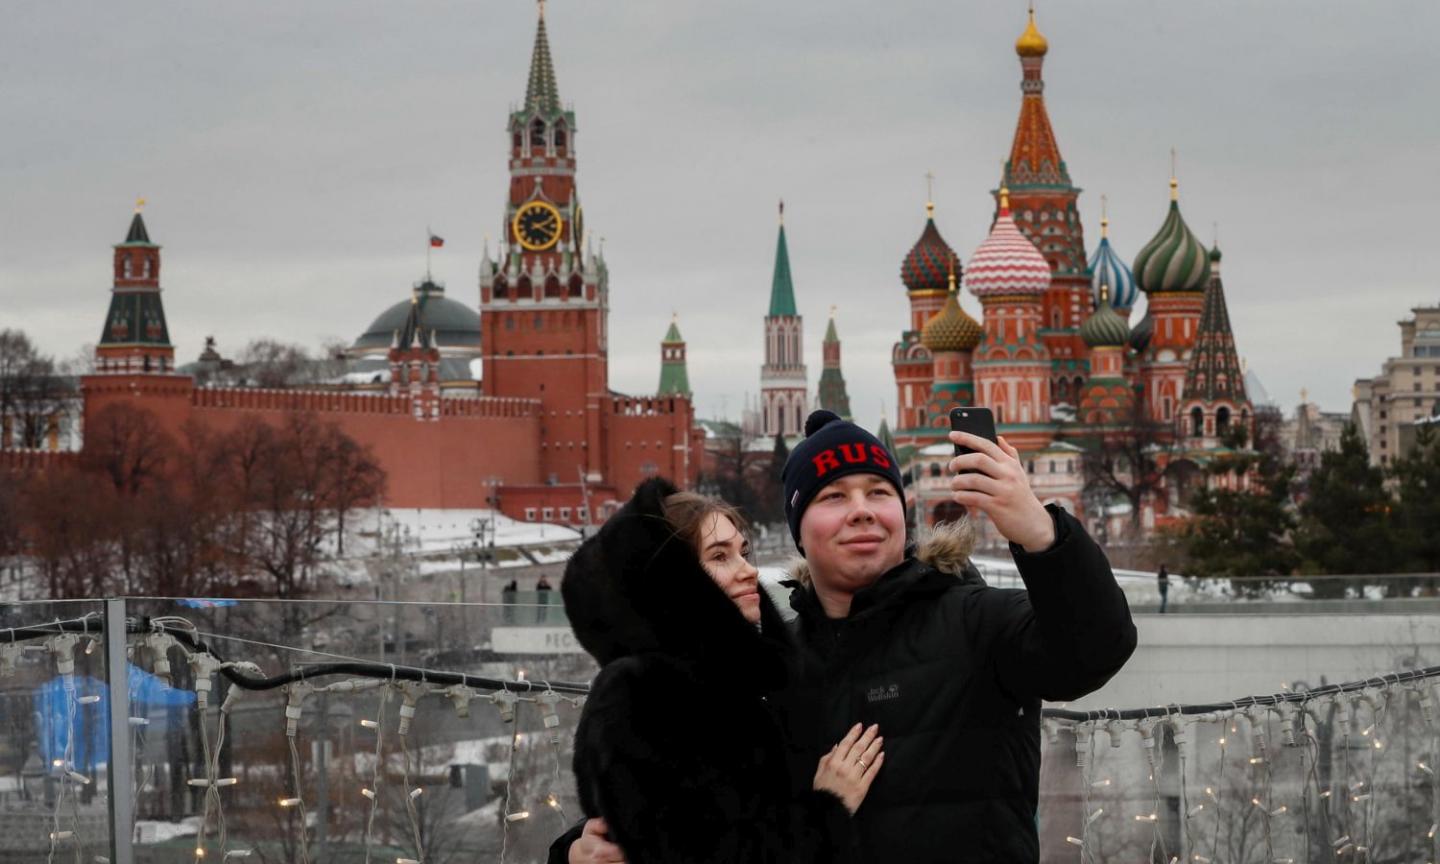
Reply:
x=53, y=719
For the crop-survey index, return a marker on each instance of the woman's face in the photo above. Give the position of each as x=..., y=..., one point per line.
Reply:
x=723, y=553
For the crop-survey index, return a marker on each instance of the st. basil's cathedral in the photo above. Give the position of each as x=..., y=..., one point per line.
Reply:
x=1053, y=354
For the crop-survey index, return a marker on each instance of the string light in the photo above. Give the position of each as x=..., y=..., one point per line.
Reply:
x=1347, y=702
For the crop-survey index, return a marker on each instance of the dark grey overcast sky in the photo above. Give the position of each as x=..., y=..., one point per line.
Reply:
x=293, y=154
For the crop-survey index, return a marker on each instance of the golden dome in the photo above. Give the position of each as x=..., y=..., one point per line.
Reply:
x=1031, y=43
x=951, y=329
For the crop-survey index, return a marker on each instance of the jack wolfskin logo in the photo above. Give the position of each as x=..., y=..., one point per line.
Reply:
x=883, y=694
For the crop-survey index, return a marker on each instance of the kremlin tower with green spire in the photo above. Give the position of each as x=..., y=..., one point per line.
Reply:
x=833, y=395
x=784, y=394
x=674, y=375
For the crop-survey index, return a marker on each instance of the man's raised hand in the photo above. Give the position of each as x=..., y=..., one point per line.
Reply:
x=999, y=486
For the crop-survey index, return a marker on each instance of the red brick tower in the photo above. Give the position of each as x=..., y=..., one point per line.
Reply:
x=1043, y=201
x=544, y=302
x=135, y=338
x=134, y=359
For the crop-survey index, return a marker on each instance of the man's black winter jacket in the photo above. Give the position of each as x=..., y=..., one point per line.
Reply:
x=954, y=673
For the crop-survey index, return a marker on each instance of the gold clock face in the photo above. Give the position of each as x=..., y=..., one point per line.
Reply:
x=537, y=225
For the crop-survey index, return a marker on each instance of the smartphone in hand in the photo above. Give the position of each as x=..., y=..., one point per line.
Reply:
x=976, y=421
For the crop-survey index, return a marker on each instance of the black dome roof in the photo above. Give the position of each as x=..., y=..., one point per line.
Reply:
x=454, y=324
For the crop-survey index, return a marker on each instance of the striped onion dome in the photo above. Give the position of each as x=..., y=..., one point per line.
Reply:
x=1007, y=262
x=1174, y=259
x=1105, y=328
x=951, y=329
x=929, y=260
x=1106, y=269
x=1140, y=335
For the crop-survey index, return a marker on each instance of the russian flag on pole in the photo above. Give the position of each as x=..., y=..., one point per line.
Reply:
x=436, y=241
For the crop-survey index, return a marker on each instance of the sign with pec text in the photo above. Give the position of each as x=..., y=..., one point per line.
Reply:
x=534, y=640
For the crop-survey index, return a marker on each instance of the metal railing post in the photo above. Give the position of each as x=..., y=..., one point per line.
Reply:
x=121, y=773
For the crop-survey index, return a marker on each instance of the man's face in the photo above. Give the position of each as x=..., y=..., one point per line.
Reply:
x=853, y=531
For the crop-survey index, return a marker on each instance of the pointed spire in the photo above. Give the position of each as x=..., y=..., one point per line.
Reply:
x=782, y=290
x=1034, y=154
x=673, y=334
x=1215, y=372
x=1104, y=216
x=138, y=235
x=542, y=94
x=833, y=394
x=887, y=439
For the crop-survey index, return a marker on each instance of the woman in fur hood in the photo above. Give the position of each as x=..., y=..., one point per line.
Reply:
x=679, y=749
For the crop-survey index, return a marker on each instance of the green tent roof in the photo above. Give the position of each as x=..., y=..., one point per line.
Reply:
x=542, y=94
x=782, y=290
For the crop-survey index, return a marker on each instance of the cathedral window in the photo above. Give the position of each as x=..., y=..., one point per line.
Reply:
x=1222, y=421
x=1197, y=422
x=560, y=137
x=537, y=133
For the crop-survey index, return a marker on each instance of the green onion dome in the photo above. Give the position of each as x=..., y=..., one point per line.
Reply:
x=1105, y=328
x=1175, y=259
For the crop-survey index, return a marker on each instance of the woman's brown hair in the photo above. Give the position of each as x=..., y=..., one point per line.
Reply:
x=687, y=511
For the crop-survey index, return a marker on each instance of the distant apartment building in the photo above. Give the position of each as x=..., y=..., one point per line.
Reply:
x=1311, y=432
x=1406, y=391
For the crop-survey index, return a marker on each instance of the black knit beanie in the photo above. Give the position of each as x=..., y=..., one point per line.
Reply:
x=832, y=449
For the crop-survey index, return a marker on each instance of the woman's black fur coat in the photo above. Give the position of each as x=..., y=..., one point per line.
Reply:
x=678, y=747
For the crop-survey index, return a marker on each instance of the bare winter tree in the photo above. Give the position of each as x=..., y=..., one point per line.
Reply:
x=1127, y=463
x=34, y=396
x=272, y=364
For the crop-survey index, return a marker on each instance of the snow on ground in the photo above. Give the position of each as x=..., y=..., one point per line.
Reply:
x=442, y=530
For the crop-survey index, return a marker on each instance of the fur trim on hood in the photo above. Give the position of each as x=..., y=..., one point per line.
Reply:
x=946, y=547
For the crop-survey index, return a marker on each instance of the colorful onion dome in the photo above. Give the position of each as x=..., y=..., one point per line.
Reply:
x=1031, y=43
x=1007, y=262
x=928, y=261
x=1106, y=269
x=1215, y=255
x=1140, y=336
x=1105, y=328
x=1174, y=259
x=951, y=329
